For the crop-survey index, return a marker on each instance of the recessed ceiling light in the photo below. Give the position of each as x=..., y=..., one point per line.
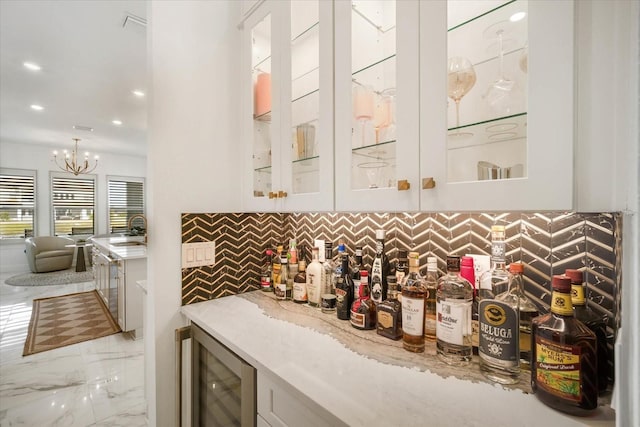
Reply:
x=37, y=107
x=32, y=66
x=138, y=93
x=518, y=16
x=116, y=122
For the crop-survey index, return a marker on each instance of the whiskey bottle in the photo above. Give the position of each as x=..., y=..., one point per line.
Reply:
x=300, y=284
x=363, y=310
x=431, y=284
x=344, y=291
x=389, y=313
x=499, y=347
x=596, y=323
x=314, y=279
x=281, y=286
x=564, y=363
x=275, y=268
x=379, y=270
x=526, y=308
x=402, y=269
x=453, y=309
x=265, y=275
x=413, y=307
x=492, y=282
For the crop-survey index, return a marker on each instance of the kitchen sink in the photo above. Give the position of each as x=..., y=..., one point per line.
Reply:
x=134, y=243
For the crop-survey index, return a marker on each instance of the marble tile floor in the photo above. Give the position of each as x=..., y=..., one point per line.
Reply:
x=94, y=383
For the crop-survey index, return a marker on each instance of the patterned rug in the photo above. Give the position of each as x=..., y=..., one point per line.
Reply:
x=67, y=319
x=63, y=277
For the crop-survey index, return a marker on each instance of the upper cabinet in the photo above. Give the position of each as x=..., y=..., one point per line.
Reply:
x=408, y=105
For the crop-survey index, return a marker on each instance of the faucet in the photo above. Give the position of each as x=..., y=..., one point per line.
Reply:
x=144, y=219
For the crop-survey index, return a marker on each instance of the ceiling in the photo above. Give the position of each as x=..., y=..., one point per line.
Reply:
x=90, y=63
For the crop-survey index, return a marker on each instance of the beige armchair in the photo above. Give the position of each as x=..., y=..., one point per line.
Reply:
x=48, y=253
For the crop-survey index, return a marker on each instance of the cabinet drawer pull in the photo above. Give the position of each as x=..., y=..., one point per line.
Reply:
x=272, y=195
x=403, y=185
x=282, y=194
x=428, y=183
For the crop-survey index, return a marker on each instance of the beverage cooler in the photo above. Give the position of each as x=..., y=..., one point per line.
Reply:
x=222, y=385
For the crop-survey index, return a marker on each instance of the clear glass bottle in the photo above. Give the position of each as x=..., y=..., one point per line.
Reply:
x=431, y=284
x=300, y=284
x=281, y=286
x=499, y=347
x=413, y=307
x=344, y=291
x=402, y=269
x=389, y=313
x=453, y=307
x=328, y=270
x=379, y=270
x=563, y=356
x=275, y=267
x=314, y=279
x=265, y=275
x=358, y=267
x=596, y=323
x=526, y=308
x=363, y=310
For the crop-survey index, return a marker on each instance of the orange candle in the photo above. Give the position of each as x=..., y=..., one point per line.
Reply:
x=262, y=94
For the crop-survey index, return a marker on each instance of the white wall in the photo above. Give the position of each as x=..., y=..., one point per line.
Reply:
x=38, y=157
x=194, y=110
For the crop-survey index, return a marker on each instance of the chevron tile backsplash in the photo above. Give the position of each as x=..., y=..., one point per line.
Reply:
x=547, y=243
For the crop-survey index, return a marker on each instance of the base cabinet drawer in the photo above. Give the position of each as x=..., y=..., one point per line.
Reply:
x=281, y=405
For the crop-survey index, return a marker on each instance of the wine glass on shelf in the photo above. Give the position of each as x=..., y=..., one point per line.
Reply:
x=389, y=111
x=500, y=93
x=461, y=77
x=363, y=108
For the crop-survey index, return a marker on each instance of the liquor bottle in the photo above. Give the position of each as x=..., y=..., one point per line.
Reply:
x=356, y=271
x=293, y=252
x=563, y=356
x=275, y=268
x=389, y=313
x=300, y=284
x=402, y=269
x=281, y=286
x=499, y=347
x=314, y=279
x=414, y=295
x=431, y=284
x=328, y=270
x=453, y=309
x=526, y=308
x=344, y=291
x=379, y=270
x=592, y=321
x=363, y=310
x=337, y=260
x=492, y=282
x=467, y=271
x=265, y=274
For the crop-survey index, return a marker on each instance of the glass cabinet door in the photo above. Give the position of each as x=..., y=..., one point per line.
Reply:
x=508, y=140
x=376, y=104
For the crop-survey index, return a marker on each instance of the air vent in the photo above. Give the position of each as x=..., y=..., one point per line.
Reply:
x=83, y=128
x=133, y=19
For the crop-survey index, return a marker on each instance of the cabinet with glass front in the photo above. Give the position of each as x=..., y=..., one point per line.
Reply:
x=288, y=106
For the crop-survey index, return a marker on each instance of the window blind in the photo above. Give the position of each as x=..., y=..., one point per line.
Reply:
x=73, y=201
x=17, y=204
x=126, y=198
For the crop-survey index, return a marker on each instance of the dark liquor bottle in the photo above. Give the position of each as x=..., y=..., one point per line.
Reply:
x=300, y=284
x=356, y=271
x=414, y=295
x=564, y=362
x=275, y=268
x=592, y=321
x=389, y=313
x=363, y=310
x=281, y=286
x=379, y=270
x=344, y=291
x=402, y=269
x=265, y=274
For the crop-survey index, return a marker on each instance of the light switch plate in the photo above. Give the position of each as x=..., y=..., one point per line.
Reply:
x=198, y=254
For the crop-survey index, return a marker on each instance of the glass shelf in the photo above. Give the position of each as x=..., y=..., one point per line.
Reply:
x=362, y=9
x=304, y=96
x=362, y=70
x=264, y=117
x=381, y=151
x=305, y=161
x=307, y=32
x=264, y=169
x=509, y=128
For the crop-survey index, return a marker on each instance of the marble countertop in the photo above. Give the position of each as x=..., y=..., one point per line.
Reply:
x=116, y=247
x=340, y=368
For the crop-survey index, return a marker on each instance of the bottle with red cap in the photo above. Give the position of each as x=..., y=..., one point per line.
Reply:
x=594, y=322
x=564, y=364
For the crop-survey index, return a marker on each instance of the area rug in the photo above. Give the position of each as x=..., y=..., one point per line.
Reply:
x=67, y=319
x=63, y=277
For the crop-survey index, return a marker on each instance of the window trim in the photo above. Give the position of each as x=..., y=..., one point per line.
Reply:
x=126, y=179
x=24, y=172
x=52, y=213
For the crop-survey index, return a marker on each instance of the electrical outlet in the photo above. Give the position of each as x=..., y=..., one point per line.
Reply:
x=198, y=254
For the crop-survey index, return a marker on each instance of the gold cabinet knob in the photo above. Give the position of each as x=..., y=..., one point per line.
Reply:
x=403, y=185
x=428, y=183
x=258, y=194
x=282, y=194
x=273, y=195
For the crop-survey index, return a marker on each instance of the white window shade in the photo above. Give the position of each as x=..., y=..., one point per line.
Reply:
x=17, y=203
x=73, y=202
x=126, y=198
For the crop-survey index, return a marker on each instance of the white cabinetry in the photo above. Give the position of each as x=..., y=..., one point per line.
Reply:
x=130, y=295
x=373, y=81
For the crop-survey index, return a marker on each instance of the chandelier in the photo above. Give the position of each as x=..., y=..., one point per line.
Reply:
x=72, y=162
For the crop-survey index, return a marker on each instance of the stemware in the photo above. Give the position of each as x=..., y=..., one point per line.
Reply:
x=389, y=112
x=461, y=78
x=363, y=107
x=500, y=92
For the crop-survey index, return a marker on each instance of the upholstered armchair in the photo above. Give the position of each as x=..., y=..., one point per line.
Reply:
x=49, y=253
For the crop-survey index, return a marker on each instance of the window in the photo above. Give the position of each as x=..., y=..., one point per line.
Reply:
x=126, y=198
x=17, y=203
x=73, y=201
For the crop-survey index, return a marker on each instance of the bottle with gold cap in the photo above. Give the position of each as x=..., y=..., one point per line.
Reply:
x=563, y=356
